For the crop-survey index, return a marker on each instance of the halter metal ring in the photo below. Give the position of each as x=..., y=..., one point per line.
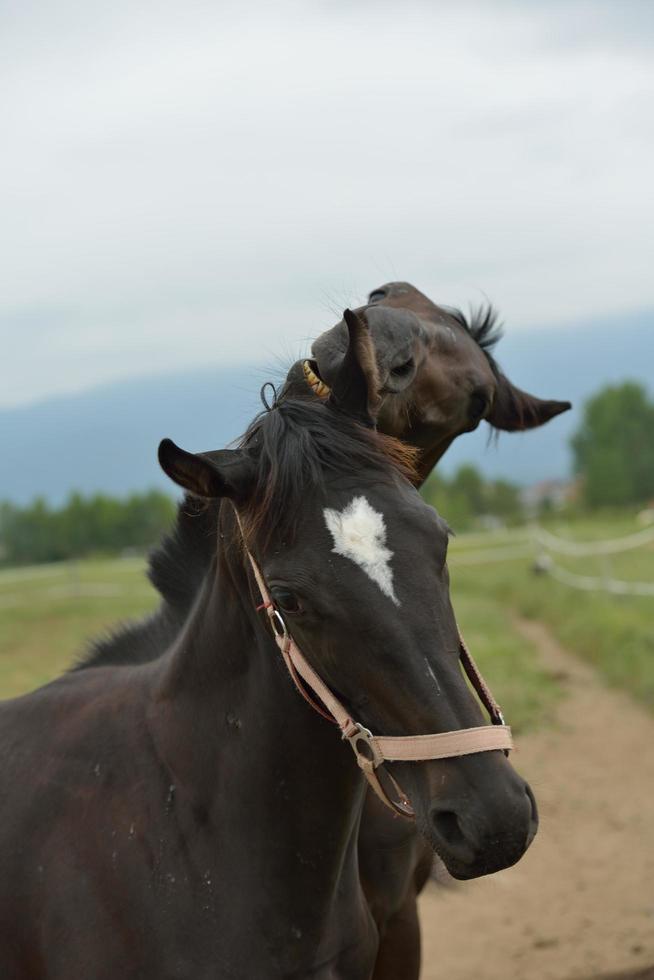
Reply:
x=363, y=745
x=278, y=624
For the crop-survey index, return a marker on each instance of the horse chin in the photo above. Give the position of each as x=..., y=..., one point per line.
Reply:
x=479, y=868
x=467, y=867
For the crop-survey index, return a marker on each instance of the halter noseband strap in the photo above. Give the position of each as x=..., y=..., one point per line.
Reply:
x=372, y=751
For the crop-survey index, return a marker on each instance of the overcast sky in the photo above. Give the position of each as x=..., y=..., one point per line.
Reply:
x=194, y=183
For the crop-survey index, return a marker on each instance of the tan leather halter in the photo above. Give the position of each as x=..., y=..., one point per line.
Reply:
x=371, y=751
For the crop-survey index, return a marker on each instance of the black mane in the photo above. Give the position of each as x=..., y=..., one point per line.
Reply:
x=178, y=565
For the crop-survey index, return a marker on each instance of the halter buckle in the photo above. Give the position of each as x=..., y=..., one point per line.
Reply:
x=364, y=747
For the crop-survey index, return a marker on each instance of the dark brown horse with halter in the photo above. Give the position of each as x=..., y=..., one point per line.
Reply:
x=192, y=817
x=436, y=379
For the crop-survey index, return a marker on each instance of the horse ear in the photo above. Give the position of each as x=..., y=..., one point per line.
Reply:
x=514, y=409
x=355, y=387
x=225, y=473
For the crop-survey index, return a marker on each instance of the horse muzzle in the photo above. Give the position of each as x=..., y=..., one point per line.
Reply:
x=479, y=819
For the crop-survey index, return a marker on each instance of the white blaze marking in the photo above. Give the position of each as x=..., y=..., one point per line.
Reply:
x=359, y=534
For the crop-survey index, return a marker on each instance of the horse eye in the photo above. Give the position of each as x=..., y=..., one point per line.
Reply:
x=285, y=600
x=401, y=370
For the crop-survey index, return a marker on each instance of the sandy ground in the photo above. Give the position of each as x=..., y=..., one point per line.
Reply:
x=581, y=902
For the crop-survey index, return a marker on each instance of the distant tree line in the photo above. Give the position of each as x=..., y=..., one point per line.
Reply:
x=83, y=526
x=613, y=460
x=613, y=453
x=467, y=499
x=613, y=448
x=105, y=525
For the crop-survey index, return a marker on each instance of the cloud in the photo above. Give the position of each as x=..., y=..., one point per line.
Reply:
x=209, y=182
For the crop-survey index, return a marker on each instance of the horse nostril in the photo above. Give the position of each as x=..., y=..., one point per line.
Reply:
x=479, y=403
x=446, y=824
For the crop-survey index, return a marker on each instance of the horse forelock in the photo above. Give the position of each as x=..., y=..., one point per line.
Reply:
x=298, y=444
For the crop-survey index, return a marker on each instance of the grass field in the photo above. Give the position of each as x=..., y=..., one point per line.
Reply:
x=614, y=632
x=49, y=613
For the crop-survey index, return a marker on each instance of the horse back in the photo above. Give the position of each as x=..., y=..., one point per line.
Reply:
x=80, y=783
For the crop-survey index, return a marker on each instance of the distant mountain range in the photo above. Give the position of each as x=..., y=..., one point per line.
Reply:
x=106, y=438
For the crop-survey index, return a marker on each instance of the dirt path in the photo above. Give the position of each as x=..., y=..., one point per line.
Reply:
x=581, y=902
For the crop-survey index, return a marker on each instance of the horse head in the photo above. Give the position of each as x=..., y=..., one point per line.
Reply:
x=354, y=564
x=436, y=374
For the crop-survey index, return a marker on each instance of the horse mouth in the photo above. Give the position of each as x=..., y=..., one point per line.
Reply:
x=314, y=380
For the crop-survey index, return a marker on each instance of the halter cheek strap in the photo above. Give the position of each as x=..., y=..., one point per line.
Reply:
x=371, y=751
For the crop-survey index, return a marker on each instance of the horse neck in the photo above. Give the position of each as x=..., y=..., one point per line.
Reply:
x=244, y=748
x=431, y=450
